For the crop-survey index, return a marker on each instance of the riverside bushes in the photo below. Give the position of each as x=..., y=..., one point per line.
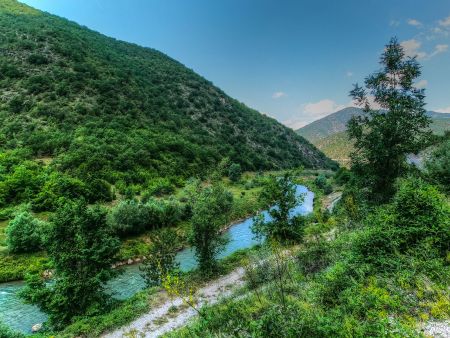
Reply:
x=131, y=217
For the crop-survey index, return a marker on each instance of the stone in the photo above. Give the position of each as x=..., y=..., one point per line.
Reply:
x=36, y=327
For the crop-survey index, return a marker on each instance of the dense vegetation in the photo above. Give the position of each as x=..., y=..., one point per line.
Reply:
x=102, y=112
x=376, y=267
x=329, y=134
x=87, y=119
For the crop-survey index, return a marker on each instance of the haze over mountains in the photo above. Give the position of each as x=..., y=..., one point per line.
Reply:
x=329, y=133
x=95, y=105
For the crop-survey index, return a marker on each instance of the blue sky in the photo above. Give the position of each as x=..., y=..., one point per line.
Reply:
x=293, y=60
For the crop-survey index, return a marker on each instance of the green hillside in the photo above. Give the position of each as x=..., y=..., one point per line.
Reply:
x=338, y=147
x=329, y=135
x=107, y=111
x=331, y=124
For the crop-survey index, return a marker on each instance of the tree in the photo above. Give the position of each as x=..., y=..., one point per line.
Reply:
x=384, y=135
x=234, y=172
x=281, y=192
x=82, y=249
x=24, y=233
x=437, y=166
x=209, y=213
x=160, y=259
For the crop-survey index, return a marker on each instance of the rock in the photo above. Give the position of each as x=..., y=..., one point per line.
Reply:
x=36, y=327
x=137, y=260
x=130, y=261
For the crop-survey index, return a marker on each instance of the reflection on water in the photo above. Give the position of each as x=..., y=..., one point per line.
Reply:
x=20, y=316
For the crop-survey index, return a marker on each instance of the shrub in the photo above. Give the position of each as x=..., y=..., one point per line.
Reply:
x=159, y=187
x=234, y=172
x=24, y=233
x=130, y=218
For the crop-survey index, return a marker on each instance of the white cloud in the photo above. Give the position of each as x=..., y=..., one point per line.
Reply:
x=349, y=74
x=313, y=111
x=321, y=108
x=278, y=95
x=421, y=84
x=443, y=110
x=412, y=48
x=414, y=22
x=445, y=22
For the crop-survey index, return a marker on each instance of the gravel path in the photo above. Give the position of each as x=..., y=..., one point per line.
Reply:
x=162, y=318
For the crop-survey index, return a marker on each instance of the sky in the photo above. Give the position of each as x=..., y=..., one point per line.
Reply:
x=294, y=60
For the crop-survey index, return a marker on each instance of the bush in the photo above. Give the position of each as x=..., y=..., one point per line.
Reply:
x=234, y=172
x=129, y=218
x=24, y=233
x=159, y=187
x=419, y=215
x=6, y=332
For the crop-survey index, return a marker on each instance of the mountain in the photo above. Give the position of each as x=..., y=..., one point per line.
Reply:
x=328, y=125
x=94, y=106
x=329, y=133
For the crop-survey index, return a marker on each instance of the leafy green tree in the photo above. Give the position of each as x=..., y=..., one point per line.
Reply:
x=234, y=172
x=385, y=135
x=438, y=165
x=82, y=249
x=281, y=192
x=209, y=213
x=160, y=259
x=24, y=233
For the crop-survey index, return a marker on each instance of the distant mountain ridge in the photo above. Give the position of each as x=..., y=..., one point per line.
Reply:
x=329, y=133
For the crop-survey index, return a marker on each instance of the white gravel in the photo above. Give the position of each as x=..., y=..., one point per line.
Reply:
x=160, y=320
x=437, y=329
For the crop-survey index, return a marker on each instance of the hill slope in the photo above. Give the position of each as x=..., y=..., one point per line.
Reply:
x=97, y=106
x=330, y=136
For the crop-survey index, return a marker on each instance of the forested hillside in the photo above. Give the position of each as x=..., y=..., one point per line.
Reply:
x=330, y=136
x=103, y=112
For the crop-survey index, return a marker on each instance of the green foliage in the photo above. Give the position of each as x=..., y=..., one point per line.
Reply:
x=82, y=249
x=235, y=172
x=105, y=111
x=322, y=183
x=417, y=220
x=210, y=209
x=160, y=259
x=6, y=332
x=131, y=217
x=281, y=192
x=342, y=176
x=159, y=187
x=437, y=166
x=384, y=137
x=24, y=233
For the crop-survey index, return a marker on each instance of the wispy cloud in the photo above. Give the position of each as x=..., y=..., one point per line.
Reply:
x=278, y=95
x=445, y=22
x=312, y=111
x=349, y=74
x=413, y=48
x=443, y=110
x=414, y=22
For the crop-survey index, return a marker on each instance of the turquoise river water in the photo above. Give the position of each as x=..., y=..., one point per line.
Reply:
x=20, y=316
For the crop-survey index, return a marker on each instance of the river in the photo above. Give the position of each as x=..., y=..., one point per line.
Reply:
x=21, y=317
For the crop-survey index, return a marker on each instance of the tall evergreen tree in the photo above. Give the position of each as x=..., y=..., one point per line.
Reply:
x=393, y=126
